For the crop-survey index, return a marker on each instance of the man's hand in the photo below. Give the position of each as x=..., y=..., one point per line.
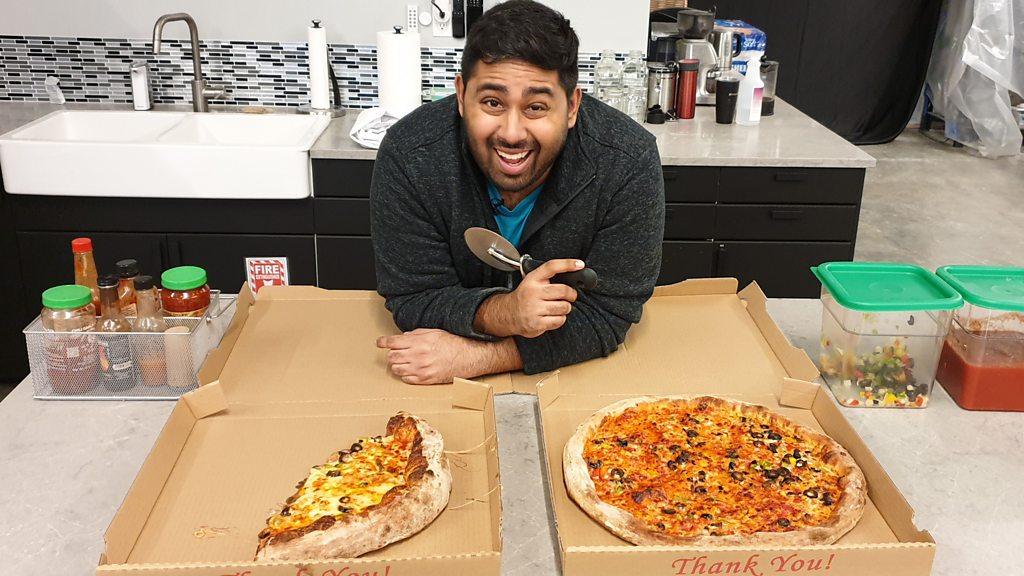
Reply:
x=428, y=356
x=534, y=307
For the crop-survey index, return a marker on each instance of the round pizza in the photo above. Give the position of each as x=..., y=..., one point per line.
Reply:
x=705, y=471
x=380, y=490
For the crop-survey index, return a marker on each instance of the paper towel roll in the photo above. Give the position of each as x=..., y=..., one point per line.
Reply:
x=399, y=80
x=319, y=87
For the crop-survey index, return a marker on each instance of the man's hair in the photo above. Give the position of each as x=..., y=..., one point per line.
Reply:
x=528, y=31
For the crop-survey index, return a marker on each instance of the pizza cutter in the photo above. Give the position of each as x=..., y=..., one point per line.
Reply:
x=497, y=252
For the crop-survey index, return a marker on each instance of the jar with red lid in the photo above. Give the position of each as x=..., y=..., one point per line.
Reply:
x=185, y=292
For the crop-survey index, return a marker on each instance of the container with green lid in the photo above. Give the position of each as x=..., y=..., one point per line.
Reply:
x=67, y=297
x=185, y=292
x=183, y=278
x=882, y=330
x=982, y=362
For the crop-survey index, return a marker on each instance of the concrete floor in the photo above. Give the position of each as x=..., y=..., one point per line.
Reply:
x=931, y=204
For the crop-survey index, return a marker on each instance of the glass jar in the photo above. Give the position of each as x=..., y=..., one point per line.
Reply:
x=72, y=359
x=185, y=292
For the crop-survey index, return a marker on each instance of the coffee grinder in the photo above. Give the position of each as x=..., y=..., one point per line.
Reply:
x=694, y=28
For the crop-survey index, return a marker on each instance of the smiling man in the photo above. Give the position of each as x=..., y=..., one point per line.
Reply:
x=519, y=150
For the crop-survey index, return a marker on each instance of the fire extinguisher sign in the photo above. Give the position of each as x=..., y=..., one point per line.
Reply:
x=266, y=272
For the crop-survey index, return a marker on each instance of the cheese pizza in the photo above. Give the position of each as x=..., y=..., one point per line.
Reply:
x=380, y=490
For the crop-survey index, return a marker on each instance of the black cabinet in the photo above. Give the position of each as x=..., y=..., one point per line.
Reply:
x=782, y=269
x=13, y=362
x=46, y=259
x=791, y=185
x=223, y=256
x=348, y=216
x=689, y=221
x=785, y=222
x=342, y=178
x=684, y=260
x=346, y=263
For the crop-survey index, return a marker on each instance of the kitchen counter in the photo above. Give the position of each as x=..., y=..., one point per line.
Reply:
x=66, y=466
x=789, y=138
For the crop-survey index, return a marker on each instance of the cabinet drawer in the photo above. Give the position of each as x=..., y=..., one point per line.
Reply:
x=782, y=269
x=345, y=263
x=342, y=178
x=792, y=185
x=689, y=221
x=93, y=214
x=786, y=222
x=682, y=260
x=690, y=183
x=223, y=256
x=343, y=216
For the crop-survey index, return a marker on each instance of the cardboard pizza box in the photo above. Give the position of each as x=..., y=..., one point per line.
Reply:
x=701, y=337
x=295, y=378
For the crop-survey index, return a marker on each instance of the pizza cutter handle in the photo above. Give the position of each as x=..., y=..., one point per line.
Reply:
x=585, y=279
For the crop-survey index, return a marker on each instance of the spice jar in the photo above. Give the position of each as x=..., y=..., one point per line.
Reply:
x=72, y=360
x=185, y=292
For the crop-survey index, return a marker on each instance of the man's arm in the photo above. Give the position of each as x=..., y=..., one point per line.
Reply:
x=436, y=357
x=626, y=255
x=415, y=272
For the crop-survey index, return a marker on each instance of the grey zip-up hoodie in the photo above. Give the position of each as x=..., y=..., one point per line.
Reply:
x=603, y=203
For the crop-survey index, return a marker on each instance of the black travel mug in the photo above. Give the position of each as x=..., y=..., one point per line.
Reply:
x=725, y=100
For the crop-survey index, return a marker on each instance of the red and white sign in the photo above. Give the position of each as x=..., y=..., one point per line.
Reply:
x=266, y=272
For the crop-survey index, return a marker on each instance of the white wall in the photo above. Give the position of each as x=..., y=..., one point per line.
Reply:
x=617, y=24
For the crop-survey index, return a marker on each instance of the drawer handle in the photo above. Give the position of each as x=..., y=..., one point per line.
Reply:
x=789, y=177
x=787, y=214
x=669, y=175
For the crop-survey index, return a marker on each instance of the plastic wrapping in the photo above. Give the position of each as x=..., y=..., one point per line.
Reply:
x=978, y=58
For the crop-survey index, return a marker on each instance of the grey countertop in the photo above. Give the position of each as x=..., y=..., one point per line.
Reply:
x=66, y=466
x=789, y=138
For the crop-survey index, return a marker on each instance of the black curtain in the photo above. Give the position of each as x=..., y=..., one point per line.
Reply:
x=856, y=67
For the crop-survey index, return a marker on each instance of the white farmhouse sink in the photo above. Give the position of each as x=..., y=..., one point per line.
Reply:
x=161, y=154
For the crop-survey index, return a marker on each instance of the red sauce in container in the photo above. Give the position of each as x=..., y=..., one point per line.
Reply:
x=984, y=371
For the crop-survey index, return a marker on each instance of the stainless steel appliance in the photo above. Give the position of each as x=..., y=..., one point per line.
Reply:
x=661, y=86
x=703, y=52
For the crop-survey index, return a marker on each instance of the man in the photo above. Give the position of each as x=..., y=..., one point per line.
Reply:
x=520, y=150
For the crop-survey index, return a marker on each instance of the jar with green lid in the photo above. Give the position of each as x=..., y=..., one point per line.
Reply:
x=185, y=292
x=882, y=330
x=72, y=359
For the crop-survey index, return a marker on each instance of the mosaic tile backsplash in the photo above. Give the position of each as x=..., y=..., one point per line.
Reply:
x=255, y=73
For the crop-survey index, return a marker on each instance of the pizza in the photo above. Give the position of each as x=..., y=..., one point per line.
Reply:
x=380, y=490
x=706, y=471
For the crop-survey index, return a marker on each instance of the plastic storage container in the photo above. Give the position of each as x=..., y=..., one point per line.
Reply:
x=882, y=329
x=982, y=362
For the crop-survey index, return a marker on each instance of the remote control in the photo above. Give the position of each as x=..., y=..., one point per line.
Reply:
x=458, y=19
x=474, y=10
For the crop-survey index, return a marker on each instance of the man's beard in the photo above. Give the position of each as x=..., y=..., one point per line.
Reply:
x=543, y=158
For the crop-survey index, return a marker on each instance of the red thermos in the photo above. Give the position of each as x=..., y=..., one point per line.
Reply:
x=686, y=92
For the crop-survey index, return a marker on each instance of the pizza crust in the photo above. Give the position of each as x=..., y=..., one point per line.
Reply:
x=850, y=506
x=397, y=517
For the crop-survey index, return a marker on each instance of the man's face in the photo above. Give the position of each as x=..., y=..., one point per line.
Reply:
x=517, y=117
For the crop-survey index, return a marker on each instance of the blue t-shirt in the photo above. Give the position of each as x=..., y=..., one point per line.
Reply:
x=511, y=222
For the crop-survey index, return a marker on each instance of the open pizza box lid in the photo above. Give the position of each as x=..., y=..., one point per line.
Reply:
x=701, y=337
x=297, y=377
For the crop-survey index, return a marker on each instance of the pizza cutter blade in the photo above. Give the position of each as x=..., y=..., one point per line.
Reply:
x=497, y=252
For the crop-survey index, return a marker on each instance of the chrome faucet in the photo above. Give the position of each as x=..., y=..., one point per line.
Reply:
x=201, y=93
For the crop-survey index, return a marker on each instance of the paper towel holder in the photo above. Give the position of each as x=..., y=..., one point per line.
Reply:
x=336, y=110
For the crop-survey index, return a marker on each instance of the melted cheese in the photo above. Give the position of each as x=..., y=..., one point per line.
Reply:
x=688, y=471
x=358, y=480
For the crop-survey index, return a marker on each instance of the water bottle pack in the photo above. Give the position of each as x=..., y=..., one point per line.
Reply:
x=751, y=40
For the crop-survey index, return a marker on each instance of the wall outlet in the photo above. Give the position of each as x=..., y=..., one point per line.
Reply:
x=412, y=17
x=442, y=11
